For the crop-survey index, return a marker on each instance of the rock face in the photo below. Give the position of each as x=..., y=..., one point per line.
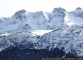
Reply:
x=20, y=14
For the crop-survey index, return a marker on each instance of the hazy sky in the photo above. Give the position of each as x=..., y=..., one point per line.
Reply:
x=9, y=7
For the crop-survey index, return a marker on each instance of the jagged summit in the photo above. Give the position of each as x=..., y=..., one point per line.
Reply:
x=15, y=23
x=20, y=14
x=78, y=8
x=56, y=18
x=77, y=11
x=45, y=21
x=59, y=11
x=21, y=11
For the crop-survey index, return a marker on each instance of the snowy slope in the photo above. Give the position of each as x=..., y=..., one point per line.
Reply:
x=67, y=20
x=68, y=40
x=34, y=20
x=37, y=20
x=17, y=39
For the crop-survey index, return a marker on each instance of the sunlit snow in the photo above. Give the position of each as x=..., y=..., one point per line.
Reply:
x=41, y=32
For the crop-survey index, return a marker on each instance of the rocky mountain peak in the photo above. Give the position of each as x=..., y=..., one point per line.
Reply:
x=78, y=8
x=59, y=11
x=20, y=14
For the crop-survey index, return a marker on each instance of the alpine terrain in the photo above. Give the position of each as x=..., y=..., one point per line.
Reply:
x=65, y=40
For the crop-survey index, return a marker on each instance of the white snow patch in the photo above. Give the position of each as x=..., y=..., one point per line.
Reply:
x=41, y=32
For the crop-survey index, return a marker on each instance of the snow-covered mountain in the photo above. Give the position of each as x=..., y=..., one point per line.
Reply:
x=15, y=23
x=66, y=38
x=56, y=18
x=33, y=20
x=46, y=21
x=40, y=20
x=76, y=16
x=37, y=20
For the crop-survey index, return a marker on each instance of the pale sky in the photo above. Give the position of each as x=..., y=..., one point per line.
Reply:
x=9, y=7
